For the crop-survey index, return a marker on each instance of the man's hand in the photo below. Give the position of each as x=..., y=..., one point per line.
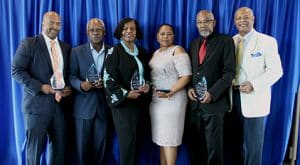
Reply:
x=66, y=91
x=98, y=84
x=47, y=89
x=192, y=94
x=207, y=98
x=246, y=87
x=86, y=86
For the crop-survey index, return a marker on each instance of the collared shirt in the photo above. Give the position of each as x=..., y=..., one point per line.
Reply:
x=246, y=38
x=98, y=57
x=242, y=76
x=48, y=43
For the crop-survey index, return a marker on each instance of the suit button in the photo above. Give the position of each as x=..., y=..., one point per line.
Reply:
x=198, y=73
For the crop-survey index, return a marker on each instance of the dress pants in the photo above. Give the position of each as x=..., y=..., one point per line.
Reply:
x=126, y=123
x=205, y=137
x=91, y=140
x=250, y=145
x=38, y=127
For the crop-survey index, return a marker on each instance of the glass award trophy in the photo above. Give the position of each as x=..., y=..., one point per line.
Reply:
x=57, y=81
x=92, y=74
x=201, y=88
x=136, y=81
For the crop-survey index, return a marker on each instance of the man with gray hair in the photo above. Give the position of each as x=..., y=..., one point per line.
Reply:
x=258, y=68
x=90, y=108
x=212, y=57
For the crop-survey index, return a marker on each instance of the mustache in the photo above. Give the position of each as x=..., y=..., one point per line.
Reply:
x=51, y=29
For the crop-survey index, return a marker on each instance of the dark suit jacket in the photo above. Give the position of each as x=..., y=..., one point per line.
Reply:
x=120, y=67
x=86, y=104
x=32, y=67
x=218, y=68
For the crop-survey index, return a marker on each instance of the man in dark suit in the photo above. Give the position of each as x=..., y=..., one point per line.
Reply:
x=212, y=57
x=90, y=107
x=36, y=61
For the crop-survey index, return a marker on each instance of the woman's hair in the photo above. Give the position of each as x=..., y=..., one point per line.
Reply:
x=166, y=24
x=120, y=27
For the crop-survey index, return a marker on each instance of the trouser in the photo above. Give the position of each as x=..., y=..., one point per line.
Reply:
x=90, y=140
x=247, y=141
x=38, y=127
x=205, y=137
x=126, y=123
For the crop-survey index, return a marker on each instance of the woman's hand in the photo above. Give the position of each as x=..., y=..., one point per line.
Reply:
x=134, y=94
x=162, y=94
x=145, y=88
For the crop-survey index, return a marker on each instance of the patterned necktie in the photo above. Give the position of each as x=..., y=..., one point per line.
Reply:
x=202, y=52
x=54, y=53
x=57, y=74
x=239, y=57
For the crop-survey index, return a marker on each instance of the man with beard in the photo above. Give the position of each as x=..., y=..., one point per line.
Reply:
x=40, y=65
x=212, y=57
x=90, y=108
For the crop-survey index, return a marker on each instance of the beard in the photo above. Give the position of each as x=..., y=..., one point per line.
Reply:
x=205, y=33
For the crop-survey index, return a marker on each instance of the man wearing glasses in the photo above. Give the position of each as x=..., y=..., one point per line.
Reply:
x=212, y=57
x=90, y=108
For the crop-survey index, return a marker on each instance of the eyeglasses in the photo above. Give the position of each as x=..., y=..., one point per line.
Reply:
x=205, y=22
x=96, y=30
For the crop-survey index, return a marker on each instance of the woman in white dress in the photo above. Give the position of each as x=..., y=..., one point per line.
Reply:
x=171, y=72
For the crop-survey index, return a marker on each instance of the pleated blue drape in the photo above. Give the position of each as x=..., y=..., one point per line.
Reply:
x=22, y=18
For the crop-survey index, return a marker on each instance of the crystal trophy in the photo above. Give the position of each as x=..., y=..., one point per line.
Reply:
x=136, y=81
x=201, y=88
x=92, y=74
x=57, y=81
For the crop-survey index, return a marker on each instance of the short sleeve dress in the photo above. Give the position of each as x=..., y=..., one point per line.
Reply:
x=167, y=115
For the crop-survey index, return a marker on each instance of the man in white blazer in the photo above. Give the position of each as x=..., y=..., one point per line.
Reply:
x=258, y=68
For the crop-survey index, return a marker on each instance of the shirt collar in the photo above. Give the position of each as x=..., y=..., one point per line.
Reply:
x=247, y=36
x=48, y=40
x=101, y=50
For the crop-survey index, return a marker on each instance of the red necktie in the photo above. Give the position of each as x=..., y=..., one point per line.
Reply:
x=202, y=52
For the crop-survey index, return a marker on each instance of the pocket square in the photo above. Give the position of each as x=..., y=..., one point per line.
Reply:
x=257, y=54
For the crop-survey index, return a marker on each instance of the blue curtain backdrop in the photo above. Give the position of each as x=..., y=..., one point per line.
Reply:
x=22, y=18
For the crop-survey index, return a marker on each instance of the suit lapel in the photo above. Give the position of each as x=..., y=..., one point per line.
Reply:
x=209, y=49
x=251, y=46
x=64, y=55
x=196, y=54
x=89, y=55
x=44, y=49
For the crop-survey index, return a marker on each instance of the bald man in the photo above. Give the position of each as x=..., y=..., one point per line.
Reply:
x=259, y=68
x=90, y=108
x=217, y=65
x=38, y=60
